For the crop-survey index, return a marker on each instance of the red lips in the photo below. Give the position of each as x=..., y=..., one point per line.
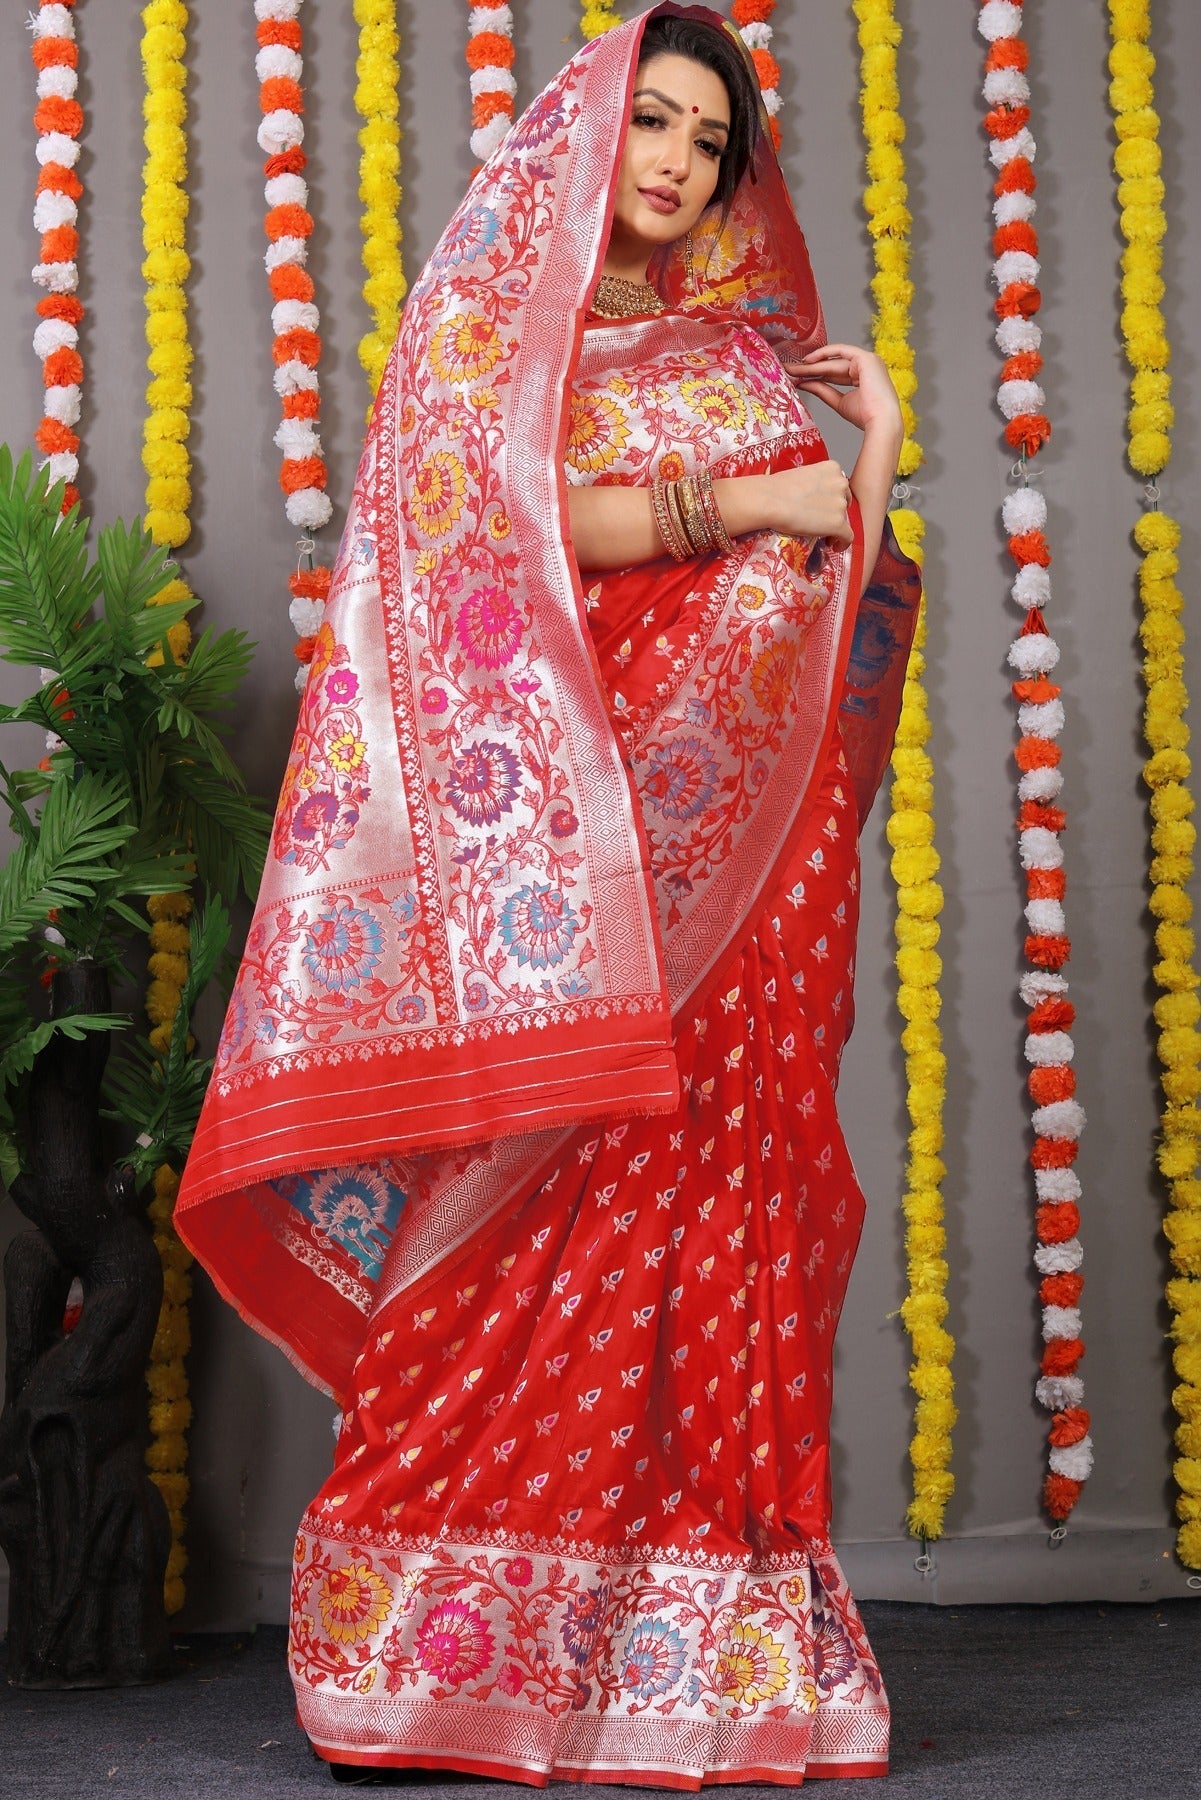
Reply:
x=667, y=198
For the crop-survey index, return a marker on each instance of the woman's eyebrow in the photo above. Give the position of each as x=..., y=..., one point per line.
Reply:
x=675, y=107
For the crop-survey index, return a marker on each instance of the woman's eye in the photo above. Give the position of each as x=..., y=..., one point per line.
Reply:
x=647, y=119
x=709, y=147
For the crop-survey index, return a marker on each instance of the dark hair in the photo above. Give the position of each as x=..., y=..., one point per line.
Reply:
x=714, y=49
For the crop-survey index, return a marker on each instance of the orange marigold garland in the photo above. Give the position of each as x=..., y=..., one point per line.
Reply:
x=295, y=319
x=752, y=18
x=1058, y=1118
x=59, y=121
x=490, y=58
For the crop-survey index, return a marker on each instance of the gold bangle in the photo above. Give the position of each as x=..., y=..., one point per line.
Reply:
x=718, y=535
x=695, y=527
x=671, y=495
x=673, y=541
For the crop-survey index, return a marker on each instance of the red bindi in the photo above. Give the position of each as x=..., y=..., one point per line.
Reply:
x=696, y=109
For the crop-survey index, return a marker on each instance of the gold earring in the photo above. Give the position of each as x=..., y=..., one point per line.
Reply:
x=689, y=271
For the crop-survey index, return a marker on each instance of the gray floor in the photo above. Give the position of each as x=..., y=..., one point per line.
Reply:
x=987, y=1700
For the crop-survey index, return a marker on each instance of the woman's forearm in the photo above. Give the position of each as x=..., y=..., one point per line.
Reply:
x=871, y=483
x=614, y=527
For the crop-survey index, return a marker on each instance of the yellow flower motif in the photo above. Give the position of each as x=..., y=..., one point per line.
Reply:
x=716, y=400
x=499, y=526
x=671, y=466
x=438, y=493
x=752, y=1666
x=354, y=1602
x=465, y=347
x=346, y=752
x=596, y=433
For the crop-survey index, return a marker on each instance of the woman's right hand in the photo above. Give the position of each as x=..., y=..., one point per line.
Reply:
x=811, y=501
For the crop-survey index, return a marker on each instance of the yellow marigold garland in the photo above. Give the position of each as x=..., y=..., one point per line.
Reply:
x=1137, y=161
x=915, y=860
x=598, y=16
x=377, y=102
x=168, y=498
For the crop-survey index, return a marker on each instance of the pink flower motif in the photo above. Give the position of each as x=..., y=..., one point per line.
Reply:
x=341, y=687
x=510, y=1680
x=489, y=627
x=433, y=700
x=520, y=1571
x=453, y=1643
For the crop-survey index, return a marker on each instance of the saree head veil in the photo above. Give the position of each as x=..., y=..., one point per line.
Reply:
x=479, y=913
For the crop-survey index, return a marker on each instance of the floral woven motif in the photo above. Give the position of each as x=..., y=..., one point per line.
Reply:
x=514, y=1660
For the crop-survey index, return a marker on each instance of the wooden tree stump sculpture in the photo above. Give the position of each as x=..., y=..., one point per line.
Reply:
x=84, y=1528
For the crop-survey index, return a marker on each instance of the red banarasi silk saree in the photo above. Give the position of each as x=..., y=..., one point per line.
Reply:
x=522, y=1138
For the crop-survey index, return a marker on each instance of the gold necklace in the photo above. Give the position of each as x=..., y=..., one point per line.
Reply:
x=616, y=298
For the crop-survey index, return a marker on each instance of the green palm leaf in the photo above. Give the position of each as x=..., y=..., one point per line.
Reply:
x=46, y=585
x=80, y=828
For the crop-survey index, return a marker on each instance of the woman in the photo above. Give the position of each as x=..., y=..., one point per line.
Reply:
x=522, y=1139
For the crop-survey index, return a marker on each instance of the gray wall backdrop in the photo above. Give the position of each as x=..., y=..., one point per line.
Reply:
x=262, y=1439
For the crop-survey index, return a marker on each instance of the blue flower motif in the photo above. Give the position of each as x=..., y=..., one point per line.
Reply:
x=538, y=926
x=403, y=907
x=354, y=1207
x=682, y=778
x=467, y=236
x=655, y=1655
x=573, y=985
x=342, y=947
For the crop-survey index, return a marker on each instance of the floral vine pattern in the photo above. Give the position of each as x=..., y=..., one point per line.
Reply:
x=562, y=1638
x=168, y=499
x=490, y=58
x=1058, y=1118
x=915, y=860
x=378, y=105
x=1137, y=162
x=58, y=119
x=295, y=318
x=752, y=18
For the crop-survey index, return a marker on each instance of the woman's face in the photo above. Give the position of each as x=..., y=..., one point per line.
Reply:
x=679, y=124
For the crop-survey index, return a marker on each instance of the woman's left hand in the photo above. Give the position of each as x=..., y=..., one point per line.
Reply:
x=854, y=381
